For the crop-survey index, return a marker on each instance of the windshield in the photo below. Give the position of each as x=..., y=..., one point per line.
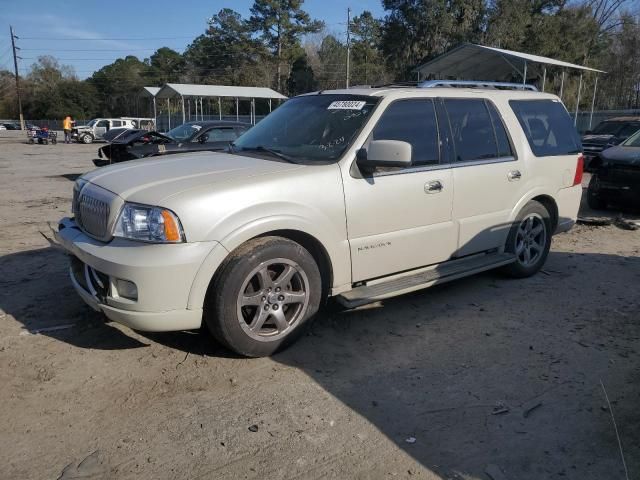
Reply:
x=632, y=141
x=92, y=122
x=607, y=128
x=184, y=132
x=311, y=127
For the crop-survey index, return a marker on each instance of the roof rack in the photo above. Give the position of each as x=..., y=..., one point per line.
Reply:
x=476, y=84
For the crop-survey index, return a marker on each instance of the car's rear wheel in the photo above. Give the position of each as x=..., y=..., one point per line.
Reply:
x=263, y=297
x=594, y=197
x=530, y=240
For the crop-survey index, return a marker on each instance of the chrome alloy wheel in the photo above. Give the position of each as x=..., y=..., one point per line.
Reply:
x=531, y=239
x=273, y=299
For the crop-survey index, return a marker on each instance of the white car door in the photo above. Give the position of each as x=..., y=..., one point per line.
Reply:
x=488, y=178
x=400, y=219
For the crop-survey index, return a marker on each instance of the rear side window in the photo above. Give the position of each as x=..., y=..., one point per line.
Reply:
x=547, y=126
x=472, y=130
x=504, y=146
x=412, y=121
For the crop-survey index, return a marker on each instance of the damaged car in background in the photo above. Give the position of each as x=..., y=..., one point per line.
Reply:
x=607, y=134
x=616, y=177
x=132, y=144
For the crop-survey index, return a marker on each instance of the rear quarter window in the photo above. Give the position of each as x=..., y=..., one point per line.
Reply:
x=547, y=126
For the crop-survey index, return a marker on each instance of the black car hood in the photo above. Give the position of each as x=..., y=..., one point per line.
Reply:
x=131, y=136
x=621, y=155
x=597, y=139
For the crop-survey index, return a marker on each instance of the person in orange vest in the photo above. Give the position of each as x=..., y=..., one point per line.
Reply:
x=67, y=125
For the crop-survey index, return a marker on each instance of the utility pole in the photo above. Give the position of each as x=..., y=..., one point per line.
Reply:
x=348, y=43
x=15, y=65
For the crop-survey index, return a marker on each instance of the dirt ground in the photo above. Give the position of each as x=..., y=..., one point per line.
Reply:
x=484, y=378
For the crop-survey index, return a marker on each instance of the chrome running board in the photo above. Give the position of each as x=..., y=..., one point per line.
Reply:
x=408, y=282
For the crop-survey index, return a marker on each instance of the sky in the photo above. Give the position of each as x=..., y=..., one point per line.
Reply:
x=88, y=34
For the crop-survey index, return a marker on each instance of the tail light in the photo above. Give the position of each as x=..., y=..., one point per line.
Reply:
x=577, y=180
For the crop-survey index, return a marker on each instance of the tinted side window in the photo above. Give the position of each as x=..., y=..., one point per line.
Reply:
x=103, y=123
x=116, y=123
x=628, y=130
x=504, y=147
x=471, y=128
x=414, y=122
x=221, y=135
x=548, y=127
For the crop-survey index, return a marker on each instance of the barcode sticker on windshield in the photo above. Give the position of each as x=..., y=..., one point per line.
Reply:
x=346, y=105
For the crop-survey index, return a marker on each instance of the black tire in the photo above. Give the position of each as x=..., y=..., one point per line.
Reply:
x=594, y=198
x=241, y=277
x=519, y=241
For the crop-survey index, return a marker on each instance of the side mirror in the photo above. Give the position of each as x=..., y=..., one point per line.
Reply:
x=203, y=138
x=384, y=153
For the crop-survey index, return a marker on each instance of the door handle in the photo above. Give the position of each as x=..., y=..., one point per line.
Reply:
x=514, y=175
x=434, y=186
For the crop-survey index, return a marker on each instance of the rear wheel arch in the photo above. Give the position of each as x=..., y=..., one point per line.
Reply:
x=552, y=207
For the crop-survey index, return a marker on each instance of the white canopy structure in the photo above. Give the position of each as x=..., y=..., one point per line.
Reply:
x=200, y=92
x=478, y=62
x=152, y=92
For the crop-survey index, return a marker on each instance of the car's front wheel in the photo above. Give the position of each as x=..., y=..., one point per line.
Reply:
x=263, y=296
x=86, y=138
x=530, y=240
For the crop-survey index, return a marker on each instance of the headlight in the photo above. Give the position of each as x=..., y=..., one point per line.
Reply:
x=77, y=187
x=148, y=224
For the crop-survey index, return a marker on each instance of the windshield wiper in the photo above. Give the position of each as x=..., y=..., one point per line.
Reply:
x=271, y=151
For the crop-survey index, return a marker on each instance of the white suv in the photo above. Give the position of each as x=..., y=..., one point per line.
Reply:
x=360, y=194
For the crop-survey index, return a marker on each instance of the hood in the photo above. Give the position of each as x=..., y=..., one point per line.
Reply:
x=597, y=139
x=151, y=180
x=622, y=155
x=132, y=135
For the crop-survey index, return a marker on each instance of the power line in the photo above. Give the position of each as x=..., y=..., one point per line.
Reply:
x=74, y=39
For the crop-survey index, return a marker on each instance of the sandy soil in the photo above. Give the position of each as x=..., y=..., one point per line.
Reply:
x=483, y=378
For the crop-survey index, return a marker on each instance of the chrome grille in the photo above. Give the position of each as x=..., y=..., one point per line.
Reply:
x=93, y=215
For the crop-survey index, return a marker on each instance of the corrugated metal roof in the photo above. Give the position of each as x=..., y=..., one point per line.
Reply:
x=478, y=62
x=192, y=90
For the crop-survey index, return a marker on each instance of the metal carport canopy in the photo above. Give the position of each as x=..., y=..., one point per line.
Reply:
x=191, y=90
x=150, y=91
x=470, y=61
x=198, y=92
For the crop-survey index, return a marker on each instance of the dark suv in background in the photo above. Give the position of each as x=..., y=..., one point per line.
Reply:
x=607, y=134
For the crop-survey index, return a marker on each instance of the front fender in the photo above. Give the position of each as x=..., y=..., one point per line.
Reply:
x=337, y=248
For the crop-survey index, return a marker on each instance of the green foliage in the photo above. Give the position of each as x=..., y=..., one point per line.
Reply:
x=227, y=53
x=301, y=79
x=417, y=30
x=367, y=64
x=280, y=24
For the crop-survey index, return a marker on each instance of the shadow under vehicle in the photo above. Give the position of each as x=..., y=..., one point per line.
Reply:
x=131, y=144
x=616, y=177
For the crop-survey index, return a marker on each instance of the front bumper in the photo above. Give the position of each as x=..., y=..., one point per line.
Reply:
x=162, y=273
